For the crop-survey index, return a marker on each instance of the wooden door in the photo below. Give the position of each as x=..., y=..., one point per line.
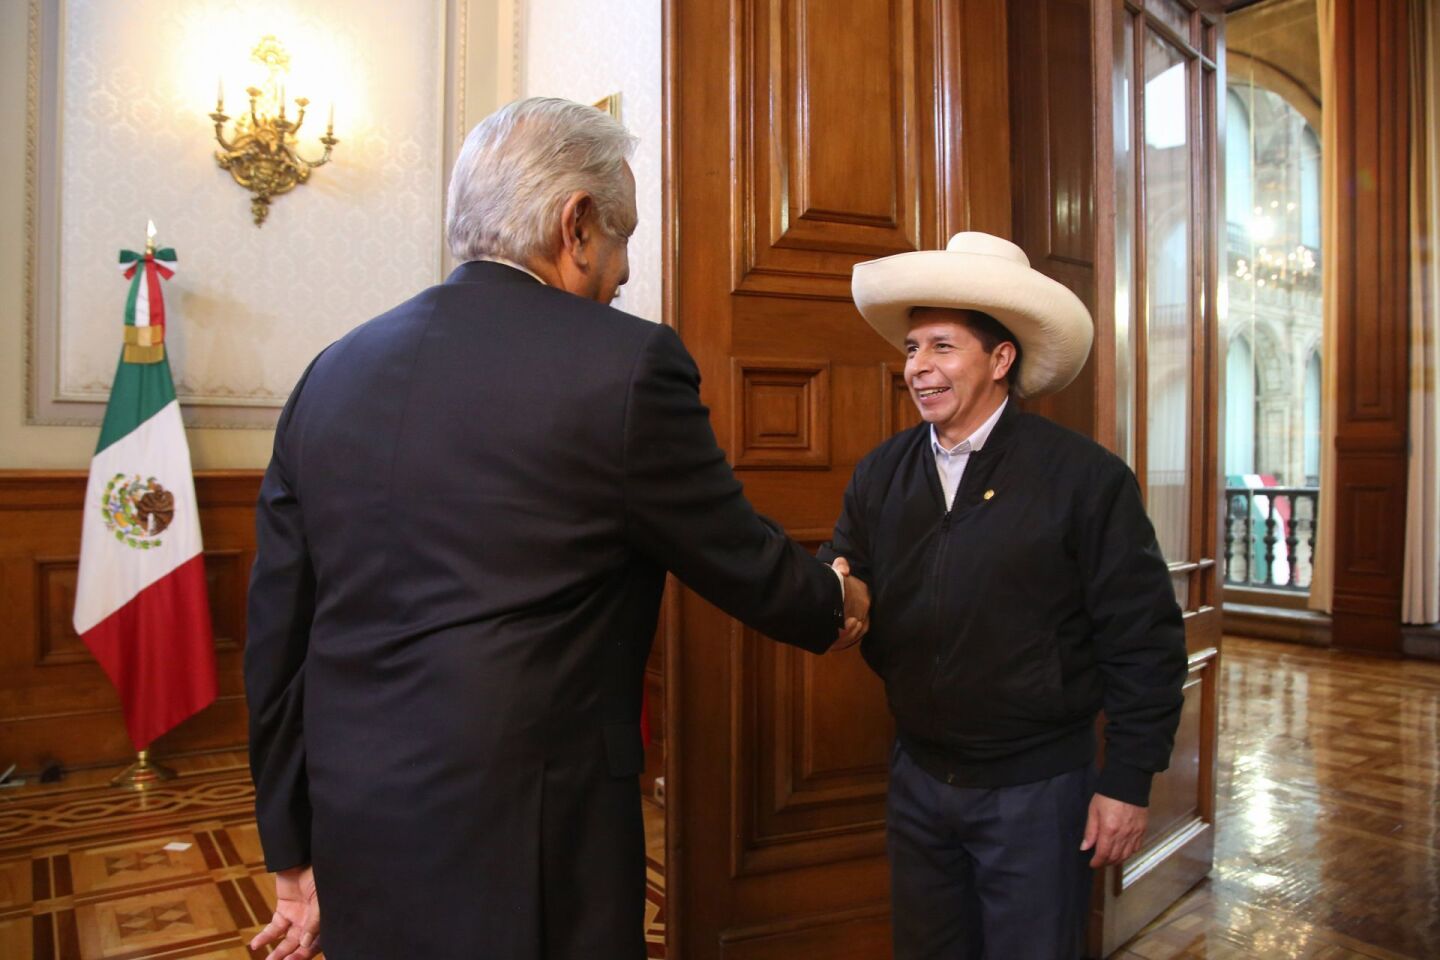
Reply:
x=802, y=137
x=1163, y=82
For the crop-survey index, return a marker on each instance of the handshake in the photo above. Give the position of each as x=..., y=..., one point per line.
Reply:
x=857, y=608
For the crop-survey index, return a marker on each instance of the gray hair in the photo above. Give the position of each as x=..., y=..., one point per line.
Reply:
x=519, y=166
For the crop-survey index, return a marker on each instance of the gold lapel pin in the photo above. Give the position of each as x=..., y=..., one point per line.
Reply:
x=989, y=494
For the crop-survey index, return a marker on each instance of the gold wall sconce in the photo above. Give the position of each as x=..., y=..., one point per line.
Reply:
x=610, y=105
x=262, y=155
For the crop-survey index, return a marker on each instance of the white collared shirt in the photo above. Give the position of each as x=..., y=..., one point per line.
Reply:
x=511, y=263
x=951, y=463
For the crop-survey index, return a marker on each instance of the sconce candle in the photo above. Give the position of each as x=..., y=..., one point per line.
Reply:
x=262, y=155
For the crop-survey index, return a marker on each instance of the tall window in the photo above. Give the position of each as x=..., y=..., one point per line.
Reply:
x=1312, y=420
x=1273, y=372
x=1239, y=408
x=1309, y=188
x=1238, y=175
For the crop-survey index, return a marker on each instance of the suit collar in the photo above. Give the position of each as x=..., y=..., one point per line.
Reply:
x=488, y=271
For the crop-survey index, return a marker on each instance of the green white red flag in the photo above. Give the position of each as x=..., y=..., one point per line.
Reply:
x=141, y=604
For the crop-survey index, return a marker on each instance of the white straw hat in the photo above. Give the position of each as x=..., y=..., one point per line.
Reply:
x=977, y=271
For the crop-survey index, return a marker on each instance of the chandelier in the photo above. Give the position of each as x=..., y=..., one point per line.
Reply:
x=1276, y=268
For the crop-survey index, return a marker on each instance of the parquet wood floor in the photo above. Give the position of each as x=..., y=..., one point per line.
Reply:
x=1328, y=821
x=88, y=872
x=1328, y=842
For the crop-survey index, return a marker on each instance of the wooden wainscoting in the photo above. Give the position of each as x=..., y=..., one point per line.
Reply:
x=56, y=705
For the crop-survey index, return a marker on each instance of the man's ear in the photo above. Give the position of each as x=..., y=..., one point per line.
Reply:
x=576, y=225
x=1001, y=359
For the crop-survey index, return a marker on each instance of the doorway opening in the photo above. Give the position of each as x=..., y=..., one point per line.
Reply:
x=1272, y=320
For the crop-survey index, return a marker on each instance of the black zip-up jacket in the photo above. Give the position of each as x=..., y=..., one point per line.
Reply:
x=1003, y=626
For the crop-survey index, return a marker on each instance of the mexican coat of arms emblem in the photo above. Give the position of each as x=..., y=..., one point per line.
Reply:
x=137, y=510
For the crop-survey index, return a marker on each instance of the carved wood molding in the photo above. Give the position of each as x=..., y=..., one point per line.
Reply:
x=858, y=932
x=781, y=415
x=806, y=794
x=1182, y=804
x=897, y=409
x=822, y=182
x=65, y=489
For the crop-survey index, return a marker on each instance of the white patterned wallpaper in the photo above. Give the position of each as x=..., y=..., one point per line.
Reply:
x=248, y=306
x=585, y=50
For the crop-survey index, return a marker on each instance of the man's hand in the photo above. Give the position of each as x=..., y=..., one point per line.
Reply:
x=1114, y=829
x=295, y=928
x=857, y=608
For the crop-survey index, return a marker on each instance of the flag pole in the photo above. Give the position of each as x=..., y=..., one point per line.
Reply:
x=140, y=597
x=143, y=773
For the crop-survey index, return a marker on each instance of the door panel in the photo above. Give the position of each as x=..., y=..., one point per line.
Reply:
x=813, y=759
x=830, y=135
x=805, y=136
x=1179, y=845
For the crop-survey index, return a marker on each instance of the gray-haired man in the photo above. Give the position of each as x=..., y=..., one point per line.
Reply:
x=462, y=539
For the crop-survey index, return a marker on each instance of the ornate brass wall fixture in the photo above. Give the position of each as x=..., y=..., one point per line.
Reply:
x=262, y=155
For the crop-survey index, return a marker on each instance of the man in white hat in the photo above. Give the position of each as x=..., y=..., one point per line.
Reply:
x=1018, y=590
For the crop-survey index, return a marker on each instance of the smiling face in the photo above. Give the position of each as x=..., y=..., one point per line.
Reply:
x=956, y=384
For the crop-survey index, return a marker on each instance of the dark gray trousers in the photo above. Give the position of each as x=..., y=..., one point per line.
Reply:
x=987, y=874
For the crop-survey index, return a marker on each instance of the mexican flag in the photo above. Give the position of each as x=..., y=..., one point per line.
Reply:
x=141, y=604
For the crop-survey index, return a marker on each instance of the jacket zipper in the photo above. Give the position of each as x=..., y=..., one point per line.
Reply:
x=935, y=625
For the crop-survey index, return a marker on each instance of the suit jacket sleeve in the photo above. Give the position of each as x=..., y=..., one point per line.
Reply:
x=281, y=609
x=850, y=539
x=685, y=509
x=1139, y=635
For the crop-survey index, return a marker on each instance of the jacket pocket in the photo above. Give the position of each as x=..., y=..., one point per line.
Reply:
x=624, y=753
x=1049, y=680
x=1007, y=688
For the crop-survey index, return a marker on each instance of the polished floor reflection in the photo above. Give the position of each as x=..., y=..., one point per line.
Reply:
x=1328, y=840
x=88, y=872
x=1328, y=819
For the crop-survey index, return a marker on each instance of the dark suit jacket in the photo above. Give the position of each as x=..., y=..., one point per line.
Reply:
x=462, y=540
